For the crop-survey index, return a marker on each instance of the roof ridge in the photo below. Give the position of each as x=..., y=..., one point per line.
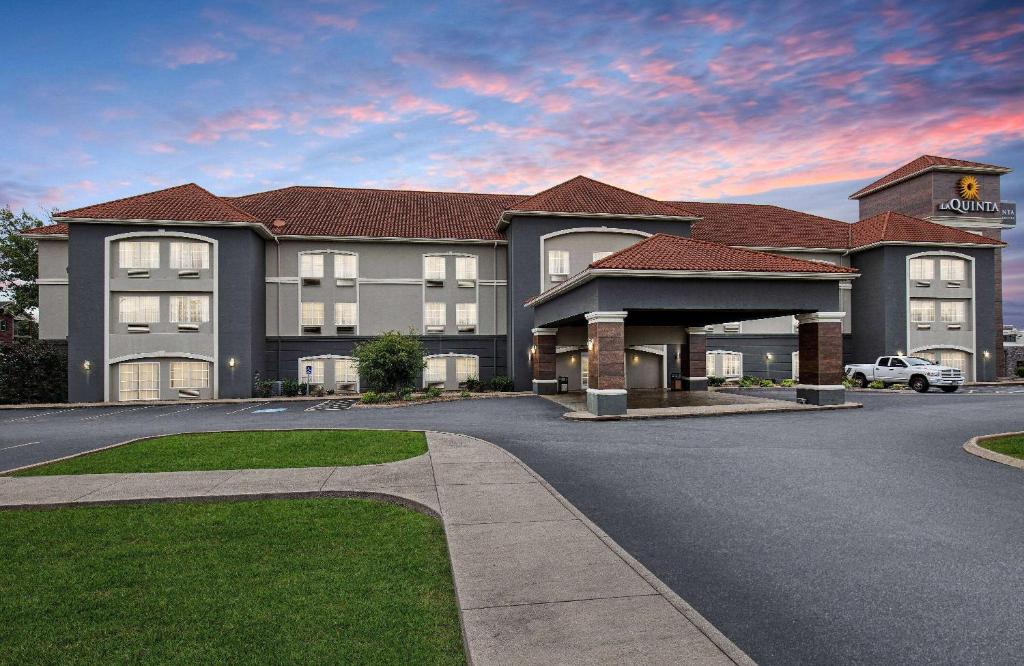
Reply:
x=379, y=189
x=133, y=196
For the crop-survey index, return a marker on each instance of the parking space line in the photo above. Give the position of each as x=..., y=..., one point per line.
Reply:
x=115, y=413
x=236, y=411
x=18, y=446
x=187, y=409
x=36, y=416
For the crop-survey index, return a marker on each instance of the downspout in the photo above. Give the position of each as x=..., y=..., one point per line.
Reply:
x=277, y=257
x=494, y=339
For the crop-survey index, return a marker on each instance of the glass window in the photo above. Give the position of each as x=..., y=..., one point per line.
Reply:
x=732, y=364
x=433, y=314
x=191, y=256
x=312, y=314
x=346, y=266
x=465, y=268
x=138, y=309
x=922, y=268
x=927, y=356
x=465, y=314
x=598, y=256
x=189, y=308
x=139, y=381
x=345, y=314
x=190, y=374
x=346, y=371
x=558, y=262
x=466, y=368
x=897, y=363
x=318, y=370
x=922, y=310
x=311, y=265
x=436, y=370
x=433, y=268
x=952, y=269
x=954, y=359
x=139, y=254
x=953, y=312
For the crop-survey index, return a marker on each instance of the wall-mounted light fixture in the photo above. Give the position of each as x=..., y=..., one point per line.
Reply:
x=590, y=343
x=87, y=365
x=232, y=362
x=636, y=358
x=769, y=356
x=986, y=354
x=572, y=359
x=533, y=350
x=899, y=352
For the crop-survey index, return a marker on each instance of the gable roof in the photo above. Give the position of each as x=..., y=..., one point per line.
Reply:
x=664, y=252
x=758, y=225
x=927, y=163
x=340, y=211
x=59, y=229
x=585, y=196
x=892, y=227
x=182, y=203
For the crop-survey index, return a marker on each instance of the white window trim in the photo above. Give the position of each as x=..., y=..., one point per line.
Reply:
x=724, y=352
x=187, y=248
x=922, y=301
x=204, y=309
x=303, y=256
x=963, y=270
x=972, y=315
x=560, y=253
x=121, y=255
x=355, y=315
x=444, y=262
x=930, y=261
x=138, y=390
x=302, y=314
x=444, y=315
x=471, y=258
x=427, y=381
x=150, y=298
x=204, y=364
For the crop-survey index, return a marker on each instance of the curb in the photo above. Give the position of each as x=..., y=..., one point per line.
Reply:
x=587, y=416
x=973, y=447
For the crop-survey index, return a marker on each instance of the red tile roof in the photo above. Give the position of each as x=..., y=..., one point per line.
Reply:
x=582, y=195
x=675, y=253
x=756, y=225
x=894, y=227
x=923, y=164
x=49, y=230
x=338, y=211
x=183, y=203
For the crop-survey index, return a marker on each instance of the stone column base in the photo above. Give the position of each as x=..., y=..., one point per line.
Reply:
x=545, y=386
x=607, y=402
x=821, y=395
x=695, y=383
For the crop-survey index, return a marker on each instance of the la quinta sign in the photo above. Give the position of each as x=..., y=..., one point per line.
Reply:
x=969, y=200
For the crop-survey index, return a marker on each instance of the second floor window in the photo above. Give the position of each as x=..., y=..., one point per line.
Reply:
x=189, y=309
x=465, y=268
x=922, y=269
x=952, y=269
x=139, y=254
x=311, y=265
x=953, y=312
x=138, y=309
x=345, y=314
x=433, y=314
x=190, y=256
x=558, y=262
x=465, y=314
x=922, y=311
x=312, y=314
x=346, y=267
x=433, y=268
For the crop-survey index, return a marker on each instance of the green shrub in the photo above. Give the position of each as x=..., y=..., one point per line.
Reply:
x=747, y=381
x=788, y=383
x=464, y=393
x=1020, y=371
x=767, y=383
x=876, y=385
x=716, y=381
x=370, y=398
x=25, y=363
x=501, y=383
x=405, y=393
x=899, y=387
x=390, y=361
x=317, y=390
x=262, y=388
x=290, y=387
x=474, y=384
x=432, y=392
x=388, y=397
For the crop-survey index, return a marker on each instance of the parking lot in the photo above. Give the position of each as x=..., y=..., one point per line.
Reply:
x=857, y=536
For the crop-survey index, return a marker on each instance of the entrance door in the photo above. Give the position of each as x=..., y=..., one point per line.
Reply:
x=584, y=371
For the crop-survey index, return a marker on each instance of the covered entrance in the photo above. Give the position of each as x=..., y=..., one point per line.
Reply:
x=664, y=291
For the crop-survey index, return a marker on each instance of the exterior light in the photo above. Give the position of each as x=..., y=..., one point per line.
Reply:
x=769, y=356
x=899, y=352
x=590, y=343
x=986, y=354
x=572, y=359
x=232, y=362
x=636, y=358
x=87, y=365
x=533, y=349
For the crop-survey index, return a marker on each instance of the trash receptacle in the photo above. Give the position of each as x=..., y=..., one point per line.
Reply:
x=563, y=384
x=676, y=381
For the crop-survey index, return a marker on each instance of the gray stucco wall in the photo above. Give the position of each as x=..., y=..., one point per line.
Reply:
x=240, y=311
x=524, y=268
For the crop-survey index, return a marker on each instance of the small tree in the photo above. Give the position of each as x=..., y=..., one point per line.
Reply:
x=390, y=362
x=19, y=262
x=33, y=371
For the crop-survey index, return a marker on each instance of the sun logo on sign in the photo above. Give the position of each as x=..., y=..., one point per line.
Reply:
x=968, y=186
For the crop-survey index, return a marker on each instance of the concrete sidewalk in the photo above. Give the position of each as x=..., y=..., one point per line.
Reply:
x=536, y=581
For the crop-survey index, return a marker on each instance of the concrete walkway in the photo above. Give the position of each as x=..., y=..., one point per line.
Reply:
x=536, y=581
x=686, y=404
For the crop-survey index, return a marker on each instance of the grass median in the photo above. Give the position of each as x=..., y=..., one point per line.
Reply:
x=244, y=450
x=1012, y=445
x=269, y=581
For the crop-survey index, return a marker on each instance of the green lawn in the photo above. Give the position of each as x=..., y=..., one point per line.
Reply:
x=245, y=450
x=1010, y=446
x=338, y=581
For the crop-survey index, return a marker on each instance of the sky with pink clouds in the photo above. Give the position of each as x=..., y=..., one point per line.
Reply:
x=792, y=103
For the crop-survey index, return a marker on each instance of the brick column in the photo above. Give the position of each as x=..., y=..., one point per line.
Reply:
x=820, y=340
x=606, y=343
x=693, y=358
x=542, y=360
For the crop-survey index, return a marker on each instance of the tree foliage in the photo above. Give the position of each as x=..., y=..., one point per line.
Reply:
x=33, y=371
x=390, y=362
x=19, y=260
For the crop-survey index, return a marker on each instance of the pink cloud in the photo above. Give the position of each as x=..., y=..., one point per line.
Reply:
x=163, y=148
x=486, y=85
x=237, y=122
x=661, y=73
x=800, y=48
x=194, y=54
x=334, y=21
x=904, y=57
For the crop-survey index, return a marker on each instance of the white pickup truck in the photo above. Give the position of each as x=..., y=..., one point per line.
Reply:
x=920, y=373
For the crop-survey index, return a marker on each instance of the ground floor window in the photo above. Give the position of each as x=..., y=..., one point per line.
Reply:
x=954, y=359
x=724, y=364
x=796, y=365
x=317, y=367
x=139, y=381
x=436, y=371
x=346, y=371
x=190, y=374
x=466, y=368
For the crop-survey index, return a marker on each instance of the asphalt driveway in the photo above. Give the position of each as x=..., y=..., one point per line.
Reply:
x=858, y=536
